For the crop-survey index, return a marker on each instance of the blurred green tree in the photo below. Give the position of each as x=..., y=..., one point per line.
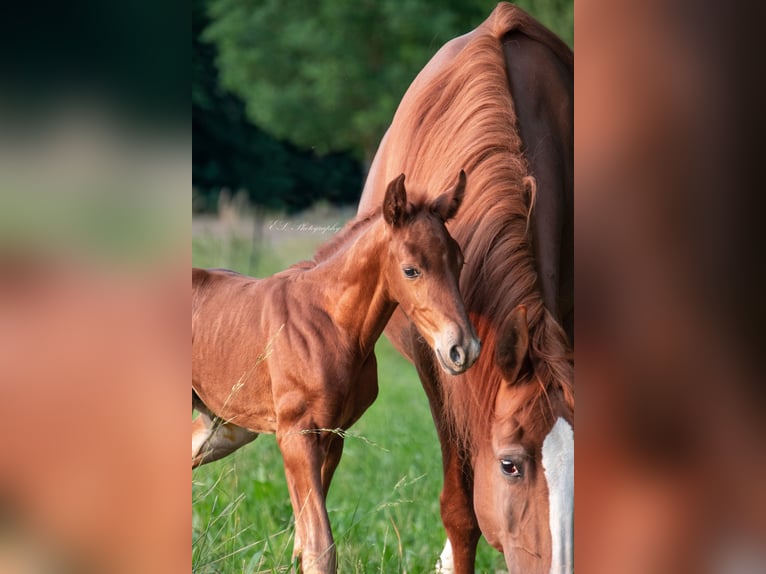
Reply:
x=328, y=75
x=229, y=151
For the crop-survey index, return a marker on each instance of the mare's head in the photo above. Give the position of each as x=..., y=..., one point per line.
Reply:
x=524, y=464
x=423, y=266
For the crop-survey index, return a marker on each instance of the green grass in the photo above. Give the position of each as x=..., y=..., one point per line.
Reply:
x=384, y=499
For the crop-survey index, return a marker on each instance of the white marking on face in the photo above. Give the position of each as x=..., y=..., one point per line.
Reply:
x=445, y=564
x=558, y=465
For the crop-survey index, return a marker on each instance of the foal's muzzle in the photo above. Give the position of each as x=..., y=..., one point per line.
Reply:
x=457, y=353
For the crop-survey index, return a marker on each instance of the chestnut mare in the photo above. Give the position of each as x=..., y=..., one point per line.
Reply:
x=499, y=102
x=293, y=354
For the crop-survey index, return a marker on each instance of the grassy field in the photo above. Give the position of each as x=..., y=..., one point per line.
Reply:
x=384, y=499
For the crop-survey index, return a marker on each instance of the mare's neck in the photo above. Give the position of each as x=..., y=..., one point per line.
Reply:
x=354, y=282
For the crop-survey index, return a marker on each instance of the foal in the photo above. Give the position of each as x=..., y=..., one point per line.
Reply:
x=293, y=354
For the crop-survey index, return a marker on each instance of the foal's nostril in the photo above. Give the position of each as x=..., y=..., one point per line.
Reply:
x=457, y=355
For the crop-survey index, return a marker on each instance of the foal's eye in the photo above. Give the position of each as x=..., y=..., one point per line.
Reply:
x=510, y=468
x=410, y=272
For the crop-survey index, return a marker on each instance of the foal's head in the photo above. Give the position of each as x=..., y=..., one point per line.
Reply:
x=423, y=266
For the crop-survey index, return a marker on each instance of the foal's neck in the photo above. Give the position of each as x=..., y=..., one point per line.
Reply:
x=353, y=279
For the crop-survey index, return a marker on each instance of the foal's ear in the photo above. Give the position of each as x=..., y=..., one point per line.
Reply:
x=447, y=204
x=395, y=203
x=512, y=353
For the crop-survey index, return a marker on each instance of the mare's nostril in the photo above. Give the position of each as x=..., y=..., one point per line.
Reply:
x=457, y=355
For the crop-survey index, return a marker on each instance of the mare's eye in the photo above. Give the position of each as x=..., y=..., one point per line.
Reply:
x=410, y=272
x=510, y=468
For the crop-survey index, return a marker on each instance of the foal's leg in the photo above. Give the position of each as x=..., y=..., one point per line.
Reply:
x=303, y=454
x=366, y=392
x=213, y=439
x=334, y=452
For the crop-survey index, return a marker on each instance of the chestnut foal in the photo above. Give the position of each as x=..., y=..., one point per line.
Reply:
x=293, y=354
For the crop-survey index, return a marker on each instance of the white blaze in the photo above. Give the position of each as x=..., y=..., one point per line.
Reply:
x=558, y=464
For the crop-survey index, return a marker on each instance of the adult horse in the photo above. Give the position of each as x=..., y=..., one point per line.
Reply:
x=498, y=101
x=293, y=354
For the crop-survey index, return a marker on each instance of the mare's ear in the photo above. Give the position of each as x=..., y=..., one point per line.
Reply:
x=512, y=352
x=447, y=204
x=395, y=203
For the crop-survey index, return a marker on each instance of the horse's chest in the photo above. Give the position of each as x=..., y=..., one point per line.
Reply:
x=355, y=395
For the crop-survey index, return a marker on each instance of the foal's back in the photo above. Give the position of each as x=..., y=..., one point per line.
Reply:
x=233, y=317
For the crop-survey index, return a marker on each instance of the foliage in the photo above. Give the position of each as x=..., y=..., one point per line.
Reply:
x=230, y=152
x=329, y=75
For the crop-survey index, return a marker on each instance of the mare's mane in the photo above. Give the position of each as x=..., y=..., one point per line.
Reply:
x=462, y=117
